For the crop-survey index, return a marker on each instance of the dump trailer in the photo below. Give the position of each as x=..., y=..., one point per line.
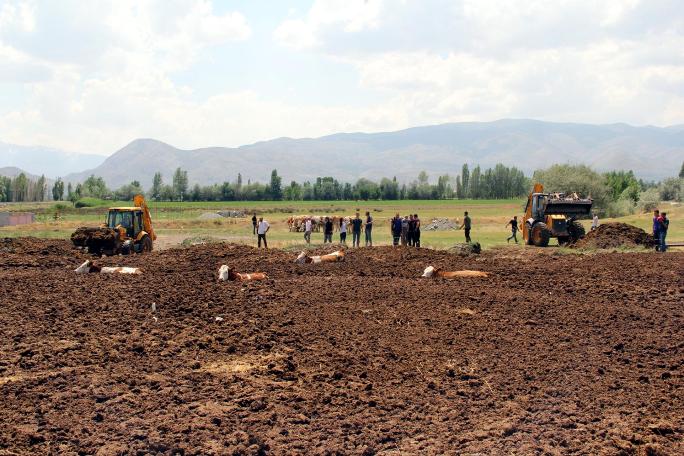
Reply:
x=126, y=230
x=554, y=215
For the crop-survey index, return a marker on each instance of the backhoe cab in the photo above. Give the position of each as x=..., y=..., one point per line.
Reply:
x=126, y=230
x=556, y=215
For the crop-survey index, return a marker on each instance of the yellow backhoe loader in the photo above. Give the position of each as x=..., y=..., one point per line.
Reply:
x=549, y=215
x=126, y=230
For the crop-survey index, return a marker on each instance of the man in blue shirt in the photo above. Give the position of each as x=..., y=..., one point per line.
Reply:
x=656, y=229
x=396, y=229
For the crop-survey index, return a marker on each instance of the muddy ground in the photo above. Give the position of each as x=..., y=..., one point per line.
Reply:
x=553, y=354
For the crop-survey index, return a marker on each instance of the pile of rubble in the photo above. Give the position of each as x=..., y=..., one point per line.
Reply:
x=441, y=224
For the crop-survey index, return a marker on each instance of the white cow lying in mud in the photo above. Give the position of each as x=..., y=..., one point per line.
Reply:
x=329, y=258
x=89, y=266
x=433, y=272
x=226, y=273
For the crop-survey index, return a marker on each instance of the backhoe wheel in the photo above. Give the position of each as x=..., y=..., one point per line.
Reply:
x=563, y=240
x=576, y=231
x=540, y=235
x=529, y=234
x=146, y=244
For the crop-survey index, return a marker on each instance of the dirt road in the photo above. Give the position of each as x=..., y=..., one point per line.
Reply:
x=553, y=354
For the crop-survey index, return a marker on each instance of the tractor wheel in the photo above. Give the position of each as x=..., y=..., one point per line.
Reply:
x=563, y=240
x=540, y=235
x=146, y=244
x=576, y=231
x=529, y=234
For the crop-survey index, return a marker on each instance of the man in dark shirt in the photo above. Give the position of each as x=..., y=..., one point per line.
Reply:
x=416, y=230
x=514, y=229
x=356, y=230
x=369, y=230
x=656, y=228
x=254, y=224
x=328, y=231
x=466, y=226
x=411, y=230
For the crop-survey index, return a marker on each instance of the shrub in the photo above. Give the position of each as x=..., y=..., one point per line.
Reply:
x=672, y=189
x=648, y=200
x=90, y=202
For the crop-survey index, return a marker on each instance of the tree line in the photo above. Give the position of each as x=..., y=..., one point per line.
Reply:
x=614, y=192
x=22, y=188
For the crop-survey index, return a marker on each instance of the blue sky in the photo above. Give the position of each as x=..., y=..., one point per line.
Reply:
x=92, y=76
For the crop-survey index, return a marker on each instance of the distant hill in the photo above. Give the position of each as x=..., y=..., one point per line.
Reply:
x=13, y=171
x=51, y=162
x=652, y=153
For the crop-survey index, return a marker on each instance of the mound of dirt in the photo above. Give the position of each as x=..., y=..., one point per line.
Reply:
x=441, y=224
x=612, y=235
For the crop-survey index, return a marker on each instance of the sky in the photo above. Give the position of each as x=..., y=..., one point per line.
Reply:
x=91, y=76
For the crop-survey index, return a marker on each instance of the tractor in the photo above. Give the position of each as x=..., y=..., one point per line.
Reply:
x=554, y=215
x=126, y=230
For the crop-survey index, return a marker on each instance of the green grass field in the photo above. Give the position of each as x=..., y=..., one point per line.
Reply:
x=175, y=221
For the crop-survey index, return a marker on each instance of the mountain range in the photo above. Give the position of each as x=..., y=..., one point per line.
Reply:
x=651, y=152
x=49, y=161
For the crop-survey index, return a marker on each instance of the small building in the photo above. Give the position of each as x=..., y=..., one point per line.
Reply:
x=16, y=218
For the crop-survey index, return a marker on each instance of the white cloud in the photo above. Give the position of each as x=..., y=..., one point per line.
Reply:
x=100, y=74
x=349, y=16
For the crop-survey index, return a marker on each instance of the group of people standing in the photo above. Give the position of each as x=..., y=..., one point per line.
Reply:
x=406, y=230
x=660, y=225
x=354, y=225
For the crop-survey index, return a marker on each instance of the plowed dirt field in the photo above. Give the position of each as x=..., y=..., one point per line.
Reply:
x=552, y=354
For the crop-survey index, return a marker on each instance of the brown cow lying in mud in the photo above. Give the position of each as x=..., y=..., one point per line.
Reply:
x=89, y=266
x=433, y=272
x=329, y=258
x=226, y=273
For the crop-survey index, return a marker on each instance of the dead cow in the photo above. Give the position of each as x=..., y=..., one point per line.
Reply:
x=89, y=266
x=433, y=272
x=226, y=273
x=329, y=258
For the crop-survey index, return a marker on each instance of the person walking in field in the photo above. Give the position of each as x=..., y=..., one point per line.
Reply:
x=416, y=231
x=262, y=229
x=664, y=225
x=307, y=230
x=395, y=228
x=594, y=222
x=466, y=226
x=369, y=230
x=656, y=229
x=254, y=224
x=343, y=231
x=514, y=229
x=356, y=230
x=327, y=230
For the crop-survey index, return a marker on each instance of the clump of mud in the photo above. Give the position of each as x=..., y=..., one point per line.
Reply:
x=85, y=235
x=613, y=235
x=466, y=249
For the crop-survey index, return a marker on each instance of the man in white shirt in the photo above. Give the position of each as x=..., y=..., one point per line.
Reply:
x=343, y=231
x=262, y=229
x=594, y=222
x=307, y=230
